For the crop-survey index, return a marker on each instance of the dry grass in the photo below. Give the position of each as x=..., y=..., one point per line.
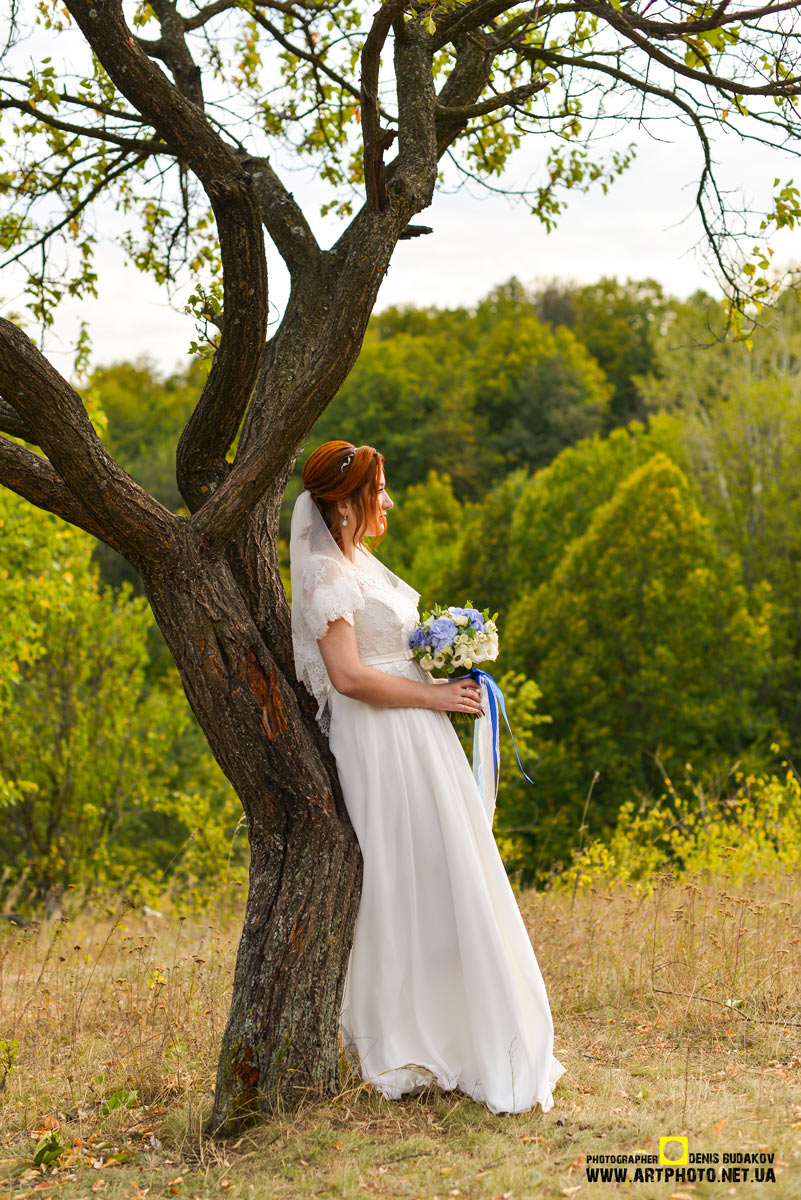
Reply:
x=678, y=1013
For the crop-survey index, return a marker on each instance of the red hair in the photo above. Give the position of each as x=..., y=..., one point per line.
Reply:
x=339, y=471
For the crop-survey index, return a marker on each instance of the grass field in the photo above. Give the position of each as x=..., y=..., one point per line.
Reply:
x=677, y=1013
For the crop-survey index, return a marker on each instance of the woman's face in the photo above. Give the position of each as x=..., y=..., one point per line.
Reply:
x=385, y=504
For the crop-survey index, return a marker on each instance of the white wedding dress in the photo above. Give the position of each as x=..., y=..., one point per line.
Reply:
x=443, y=985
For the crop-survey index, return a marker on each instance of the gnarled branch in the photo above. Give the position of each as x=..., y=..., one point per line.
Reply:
x=32, y=477
x=122, y=513
x=11, y=422
x=282, y=216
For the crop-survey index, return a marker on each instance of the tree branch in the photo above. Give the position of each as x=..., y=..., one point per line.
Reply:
x=211, y=428
x=141, y=145
x=32, y=477
x=282, y=216
x=415, y=169
x=306, y=55
x=672, y=98
x=376, y=139
x=620, y=21
x=11, y=422
x=123, y=514
x=205, y=14
x=120, y=166
x=172, y=50
x=458, y=116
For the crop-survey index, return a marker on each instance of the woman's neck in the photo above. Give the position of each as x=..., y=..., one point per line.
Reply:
x=349, y=547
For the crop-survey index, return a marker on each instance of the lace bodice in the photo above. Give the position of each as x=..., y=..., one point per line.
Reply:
x=381, y=607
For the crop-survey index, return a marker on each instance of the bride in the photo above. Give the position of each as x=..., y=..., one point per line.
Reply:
x=442, y=985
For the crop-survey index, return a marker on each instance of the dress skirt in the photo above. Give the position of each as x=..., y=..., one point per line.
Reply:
x=443, y=984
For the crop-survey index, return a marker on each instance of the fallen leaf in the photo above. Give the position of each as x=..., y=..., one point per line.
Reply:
x=679, y=1196
x=721, y=1125
x=98, y=1185
x=571, y=1191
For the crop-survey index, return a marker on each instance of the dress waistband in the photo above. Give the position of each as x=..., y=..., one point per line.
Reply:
x=376, y=660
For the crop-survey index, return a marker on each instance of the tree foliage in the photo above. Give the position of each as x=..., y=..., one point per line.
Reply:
x=503, y=391
x=645, y=648
x=102, y=779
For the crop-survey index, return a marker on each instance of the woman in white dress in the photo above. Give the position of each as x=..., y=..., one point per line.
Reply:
x=443, y=985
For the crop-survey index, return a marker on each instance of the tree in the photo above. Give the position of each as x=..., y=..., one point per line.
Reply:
x=108, y=796
x=643, y=645
x=557, y=505
x=427, y=537
x=618, y=323
x=536, y=391
x=740, y=414
x=161, y=123
x=506, y=391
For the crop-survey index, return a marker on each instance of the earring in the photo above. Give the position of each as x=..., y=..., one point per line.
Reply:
x=344, y=520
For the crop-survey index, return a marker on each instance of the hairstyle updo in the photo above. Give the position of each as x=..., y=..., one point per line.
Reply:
x=339, y=471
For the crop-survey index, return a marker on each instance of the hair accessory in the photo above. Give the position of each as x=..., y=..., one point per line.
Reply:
x=348, y=460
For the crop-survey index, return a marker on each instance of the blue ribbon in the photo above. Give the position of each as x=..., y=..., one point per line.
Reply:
x=496, y=702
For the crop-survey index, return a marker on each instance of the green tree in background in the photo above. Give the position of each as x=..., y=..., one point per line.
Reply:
x=484, y=566
x=643, y=645
x=406, y=397
x=145, y=413
x=738, y=409
x=101, y=778
x=558, y=503
x=619, y=324
x=425, y=538
x=477, y=393
x=536, y=391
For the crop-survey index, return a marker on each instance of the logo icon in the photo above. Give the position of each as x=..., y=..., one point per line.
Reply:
x=673, y=1151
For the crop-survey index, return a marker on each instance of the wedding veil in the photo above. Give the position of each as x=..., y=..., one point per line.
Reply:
x=324, y=588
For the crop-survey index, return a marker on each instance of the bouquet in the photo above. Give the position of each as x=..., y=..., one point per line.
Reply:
x=453, y=639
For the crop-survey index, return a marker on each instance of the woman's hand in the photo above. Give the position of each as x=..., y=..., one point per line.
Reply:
x=457, y=695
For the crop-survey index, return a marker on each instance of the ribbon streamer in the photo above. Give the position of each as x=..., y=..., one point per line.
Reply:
x=487, y=740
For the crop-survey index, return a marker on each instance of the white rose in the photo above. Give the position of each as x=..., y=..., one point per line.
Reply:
x=460, y=619
x=427, y=662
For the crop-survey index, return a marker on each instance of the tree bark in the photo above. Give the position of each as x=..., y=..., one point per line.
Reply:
x=305, y=873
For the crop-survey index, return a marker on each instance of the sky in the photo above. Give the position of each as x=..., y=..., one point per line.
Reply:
x=645, y=226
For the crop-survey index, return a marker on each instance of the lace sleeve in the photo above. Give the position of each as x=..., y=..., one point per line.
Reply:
x=327, y=594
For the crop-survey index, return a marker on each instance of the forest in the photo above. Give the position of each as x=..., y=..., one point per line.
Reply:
x=602, y=464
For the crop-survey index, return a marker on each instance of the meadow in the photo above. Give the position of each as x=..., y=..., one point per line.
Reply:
x=677, y=1011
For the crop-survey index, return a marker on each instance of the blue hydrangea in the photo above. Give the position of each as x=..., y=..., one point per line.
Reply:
x=473, y=615
x=419, y=637
x=442, y=632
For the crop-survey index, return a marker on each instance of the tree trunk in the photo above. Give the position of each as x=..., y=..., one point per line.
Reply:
x=305, y=872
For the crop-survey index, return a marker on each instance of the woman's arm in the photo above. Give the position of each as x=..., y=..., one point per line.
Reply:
x=350, y=676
